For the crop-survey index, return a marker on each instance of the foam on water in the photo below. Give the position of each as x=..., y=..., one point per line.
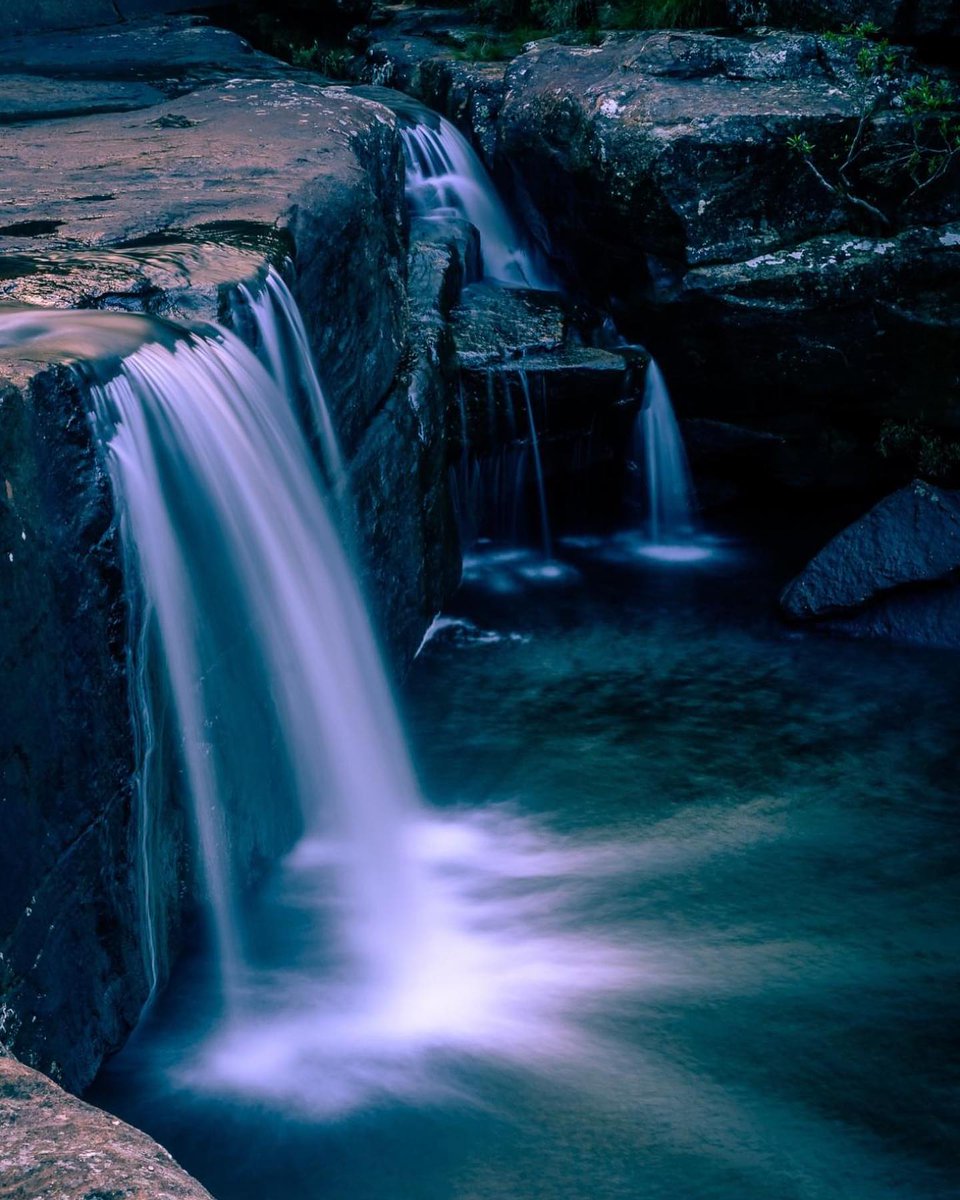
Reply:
x=512, y=974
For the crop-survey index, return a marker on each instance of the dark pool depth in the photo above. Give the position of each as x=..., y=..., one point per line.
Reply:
x=748, y=835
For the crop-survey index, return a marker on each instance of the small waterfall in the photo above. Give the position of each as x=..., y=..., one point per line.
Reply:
x=444, y=173
x=667, y=487
x=538, y=467
x=490, y=488
x=272, y=672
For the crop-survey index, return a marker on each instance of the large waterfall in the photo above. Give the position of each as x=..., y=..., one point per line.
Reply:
x=391, y=933
x=271, y=666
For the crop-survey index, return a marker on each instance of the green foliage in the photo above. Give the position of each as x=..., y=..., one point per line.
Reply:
x=498, y=47
x=335, y=62
x=877, y=58
x=928, y=95
x=861, y=29
x=800, y=144
x=920, y=451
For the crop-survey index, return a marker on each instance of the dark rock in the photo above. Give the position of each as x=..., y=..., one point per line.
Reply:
x=910, y=537
x=923, y=21
x=31, y=97
x=516, y=344
x=52, y=1144
x=165, y=51
x=494, y=324
x=661, y=166
x=895, y=572
x=841, y=326
x=71, y=978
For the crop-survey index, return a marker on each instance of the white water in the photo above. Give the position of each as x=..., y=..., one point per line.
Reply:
x=286, y=353
x=225, y=509
x=667, y=486
x=391, y=937
x=444, y=174
x=538, y=467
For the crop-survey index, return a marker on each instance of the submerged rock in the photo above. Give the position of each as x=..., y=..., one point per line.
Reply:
x=894, y=572
x=52, y=1144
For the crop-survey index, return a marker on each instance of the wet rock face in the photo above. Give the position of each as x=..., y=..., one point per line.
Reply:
x=52, y=1144
x=893, y=573
x=71, y=976
x=164, y=209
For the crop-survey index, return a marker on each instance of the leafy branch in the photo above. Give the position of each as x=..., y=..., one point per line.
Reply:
x=905, y=142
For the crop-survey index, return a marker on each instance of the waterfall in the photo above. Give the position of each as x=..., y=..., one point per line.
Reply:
x=538, y=467
x=278, y=332
x=444, y=173
x=667, y=487
x=272, y=672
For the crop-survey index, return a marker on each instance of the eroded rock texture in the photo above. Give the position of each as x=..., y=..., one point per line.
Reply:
x=55, y=1146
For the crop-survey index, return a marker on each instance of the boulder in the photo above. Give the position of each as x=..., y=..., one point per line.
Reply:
x=895, y=571
x=52, y=1144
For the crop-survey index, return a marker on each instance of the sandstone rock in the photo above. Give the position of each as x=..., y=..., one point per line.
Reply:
x=662, y=167
x=494, y=324
x=843, y=325
x=53, y=1145
x=515, y=344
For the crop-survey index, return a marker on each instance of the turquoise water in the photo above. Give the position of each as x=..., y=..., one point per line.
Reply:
x=720, y=857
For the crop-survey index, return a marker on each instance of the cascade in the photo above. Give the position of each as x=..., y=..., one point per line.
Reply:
x=271, y=667
x=391, y=934
x=667, y=487
x=444, y=173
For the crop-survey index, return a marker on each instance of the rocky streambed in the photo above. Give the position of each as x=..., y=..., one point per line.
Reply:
x=155, y=164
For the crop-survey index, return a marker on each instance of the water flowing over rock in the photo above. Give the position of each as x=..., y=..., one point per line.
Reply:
x=320, y=158
x=667, y=487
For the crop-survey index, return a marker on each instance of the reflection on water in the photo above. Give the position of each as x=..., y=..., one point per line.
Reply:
x=699, y=893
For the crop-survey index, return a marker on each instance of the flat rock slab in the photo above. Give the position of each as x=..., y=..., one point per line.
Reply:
x=229, y=154
x=55, y=1146
x=35, y=98
x=494, y=323
x=910, y=538
x=834, y=270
